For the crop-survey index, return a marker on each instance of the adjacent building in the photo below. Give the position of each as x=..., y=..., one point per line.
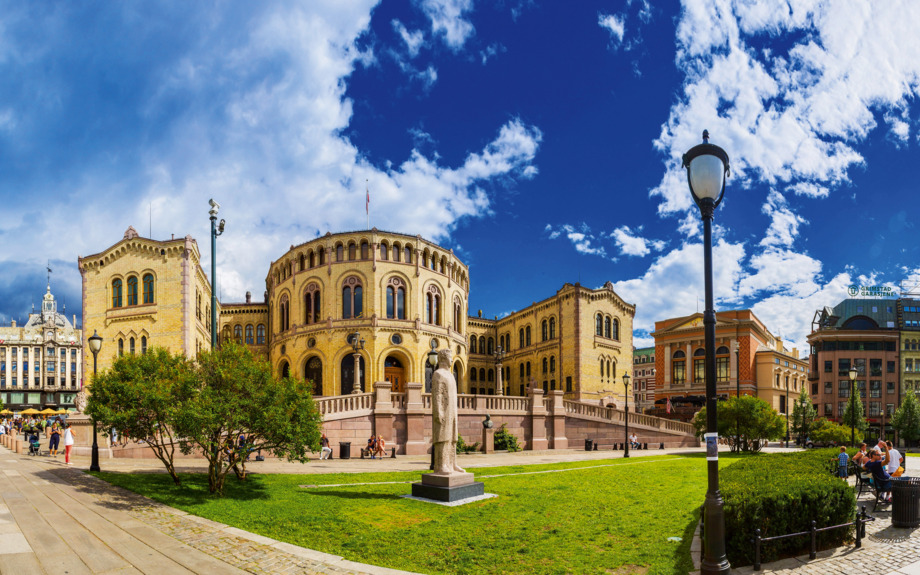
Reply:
x=41, y=362
x=749, y=361
x=345, y=310
x=908, y=310
x=865, y=334
x=644, y=378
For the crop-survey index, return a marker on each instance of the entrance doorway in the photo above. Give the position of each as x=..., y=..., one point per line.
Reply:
x=348, y=374
x=395, y=373
x=313, y=372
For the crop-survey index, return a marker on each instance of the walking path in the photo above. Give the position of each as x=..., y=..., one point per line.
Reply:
x=57, y=519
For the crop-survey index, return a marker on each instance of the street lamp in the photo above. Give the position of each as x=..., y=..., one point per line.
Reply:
x=626, y=386
x=432, y=363
x=707, y=167
x=95, y=344
x=499, y=355
x=216, y=230
x=853, y=374
x=787, y=412
x=357, y=344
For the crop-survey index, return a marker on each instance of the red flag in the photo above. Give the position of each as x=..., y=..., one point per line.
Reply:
x=668, y=407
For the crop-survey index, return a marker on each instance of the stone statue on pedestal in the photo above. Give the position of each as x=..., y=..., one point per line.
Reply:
x=79, y=401
x=444, y=416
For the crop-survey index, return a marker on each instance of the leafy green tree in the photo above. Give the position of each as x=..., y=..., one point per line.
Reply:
x=803, y=414
x=239, y=406
x=826, y=431
x=907, y=418
x=854, y=415
x=748, y=422
x=140, y=396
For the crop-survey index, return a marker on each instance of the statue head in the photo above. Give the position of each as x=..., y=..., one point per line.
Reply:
x=444, y=357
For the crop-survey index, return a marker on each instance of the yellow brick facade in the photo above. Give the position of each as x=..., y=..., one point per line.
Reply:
x=172, y=318
x=414, y=295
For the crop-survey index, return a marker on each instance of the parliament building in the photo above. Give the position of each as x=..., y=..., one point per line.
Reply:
x=378, y=300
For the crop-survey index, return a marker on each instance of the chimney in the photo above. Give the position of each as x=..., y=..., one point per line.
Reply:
x=13, y=323
x=249, y=299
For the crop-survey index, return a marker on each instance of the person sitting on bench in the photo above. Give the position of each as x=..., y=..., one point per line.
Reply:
x=634, y=441
x=381, y=447
x=371, y=445
x=878, y=466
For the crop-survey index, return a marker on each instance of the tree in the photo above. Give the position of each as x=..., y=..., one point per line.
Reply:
x=140, y=396
x=826, y=431
x=748, y=422
x=803, y=414
x=907, y=418
x=238, y=406
x=854, y=416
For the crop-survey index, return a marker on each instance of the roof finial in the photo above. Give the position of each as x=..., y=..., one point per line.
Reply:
x=49, y=276
x=705, y=136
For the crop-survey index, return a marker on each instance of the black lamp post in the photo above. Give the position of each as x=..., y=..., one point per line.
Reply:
x=853, y=374
x=787, y=412
x=432, y=363
x=216, y=230
x=707, y=167
x=95, y=344
x=626, y=419
x=499, y=355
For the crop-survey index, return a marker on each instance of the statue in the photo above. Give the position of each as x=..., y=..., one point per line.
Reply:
x=79, y=401
x=444, y=416
x=487, y=424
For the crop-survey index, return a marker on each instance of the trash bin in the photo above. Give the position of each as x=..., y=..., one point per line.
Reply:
x=905, y=502
x=589, y=444
x=345, y=450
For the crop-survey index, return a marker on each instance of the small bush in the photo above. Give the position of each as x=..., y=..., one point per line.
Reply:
x=780, y=494
x=464, y=447
x=505, y=440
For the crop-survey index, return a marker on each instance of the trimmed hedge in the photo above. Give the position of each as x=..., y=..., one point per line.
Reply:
x=781, y=493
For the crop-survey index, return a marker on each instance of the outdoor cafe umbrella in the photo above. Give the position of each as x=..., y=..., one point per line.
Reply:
x=48, y=411
x=6, y=412
x=30, y=411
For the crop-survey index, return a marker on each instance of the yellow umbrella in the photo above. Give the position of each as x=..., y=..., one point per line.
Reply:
x=6, y=412
x=48, y=411
x=30, y=411
x=60, y=412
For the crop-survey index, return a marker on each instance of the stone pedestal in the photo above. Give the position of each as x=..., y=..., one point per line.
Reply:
x=448, y=487
x=488, y=440
x=83, y=437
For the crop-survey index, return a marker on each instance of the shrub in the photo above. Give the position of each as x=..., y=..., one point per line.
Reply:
x=781, y=494
x=505, y=440
x=464, y=447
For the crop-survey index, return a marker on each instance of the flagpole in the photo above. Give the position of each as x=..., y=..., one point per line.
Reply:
x=367, y=204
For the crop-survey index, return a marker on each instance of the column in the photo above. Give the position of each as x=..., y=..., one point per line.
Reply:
x=537, y=420
x=383, y=413
x=416, y=442
x=557, y=424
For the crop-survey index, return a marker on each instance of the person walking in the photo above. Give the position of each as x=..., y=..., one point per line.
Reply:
x=68, y=443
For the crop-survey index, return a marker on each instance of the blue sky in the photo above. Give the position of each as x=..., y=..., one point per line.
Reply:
x=539, y=140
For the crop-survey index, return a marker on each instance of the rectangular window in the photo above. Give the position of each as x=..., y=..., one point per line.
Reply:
x=14, y=385
x=34, y=398
x=814, y=389
x=699, y=371
x=861, y=386
x=722, y=368
x=890, y=367
x=828, y=410
x=843, y=365
x=50, y=367
x=16, y=397
x=875, y=388
x=890, y=388
x=860, y=364
x=889, y=409
x=25, y=366
x=843, y=390
x=908, y=365
x=875, y=409
x=828, y=388
x=679, y=377
x=875, y=367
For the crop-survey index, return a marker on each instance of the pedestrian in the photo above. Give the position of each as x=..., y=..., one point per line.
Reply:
x=842, y=460
x=55, y=441
x=113, y=437
x=326, y=452
x=68, y=443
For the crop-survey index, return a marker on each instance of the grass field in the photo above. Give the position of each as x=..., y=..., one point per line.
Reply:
x=609, y=516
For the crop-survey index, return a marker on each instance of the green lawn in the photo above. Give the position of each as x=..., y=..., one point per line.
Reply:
x=612, y=516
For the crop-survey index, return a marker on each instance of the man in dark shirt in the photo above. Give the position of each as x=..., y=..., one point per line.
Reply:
x=878, y=467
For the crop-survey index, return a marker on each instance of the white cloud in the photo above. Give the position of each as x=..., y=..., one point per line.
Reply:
x=414, y=39
x=809, y=189
x=784, y=224
x=449, y=19
x=583, y=240
x=490, y=51
x=613, y=24
x=633, y=245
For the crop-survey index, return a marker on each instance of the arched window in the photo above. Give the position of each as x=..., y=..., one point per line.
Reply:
x=396, y=251
x=249, y=334
x=339, y=253
x=616, y=329
x=522, y=372
x=458, y=315
x=260, y=334
x=491, y=348
x=121, y=347
x=303, y=262
x=143, y=345
x=527, y=334
x=552, y=364
x=482, y=374
x=544, y=330
x=352, y=251
x=396, y=299
x=116, y=293
x=699, y=365
x=552, y=328
x=311, y=304
x=545, y=365
x=599, y=325
x=433, y=306
x=352, y=299
x=284, y=310
x=198, y=307
x=132, y=290
x=131, y=345
x=491, y=375
x=473, y=374
x=607, y=326
x=312, y=259
x=482, y=344
x=238, y=333
x=472, y=344
x=521, y=338
x=383, y=252
x=148, y=288
x=408, y=254
x=365, y=254
x=678, y=368
x=528, y=369
x=603, y=364
x=322, y=255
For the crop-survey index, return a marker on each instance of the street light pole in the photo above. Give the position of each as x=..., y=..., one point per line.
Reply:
x=95, y=344
x=626, y=420
x=707, y=167
x=787, y=412
x=357, y=344
x=216, y=230
x=853, y=373
x=499, y=355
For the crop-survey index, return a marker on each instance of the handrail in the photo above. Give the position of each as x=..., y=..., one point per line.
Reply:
x=342, y=403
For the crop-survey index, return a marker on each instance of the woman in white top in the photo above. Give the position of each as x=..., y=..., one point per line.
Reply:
x=68, y=443
x=894, y=465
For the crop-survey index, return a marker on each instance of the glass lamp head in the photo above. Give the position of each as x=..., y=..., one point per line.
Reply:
x=626, y=380
x=707, y=168
x=433, y=358
x=95, y=343
x=853, y=374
